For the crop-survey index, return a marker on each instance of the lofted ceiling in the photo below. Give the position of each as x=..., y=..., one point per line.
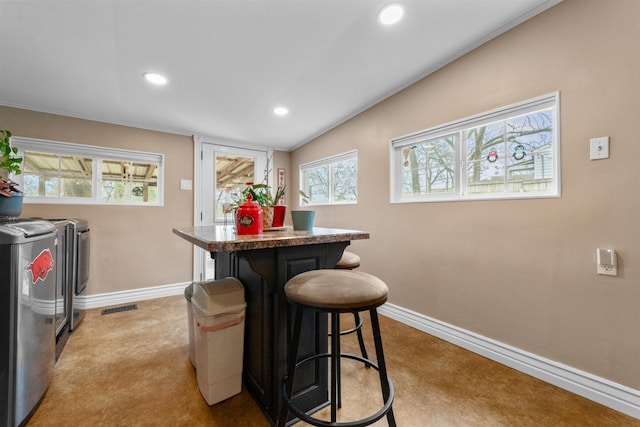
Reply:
x=230, y=62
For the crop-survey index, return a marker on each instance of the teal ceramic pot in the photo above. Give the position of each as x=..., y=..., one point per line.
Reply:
x=303, y=220
x=11, y=206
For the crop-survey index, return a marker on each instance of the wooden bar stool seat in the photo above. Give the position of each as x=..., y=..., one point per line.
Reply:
x=348, y=261
x=334, y=292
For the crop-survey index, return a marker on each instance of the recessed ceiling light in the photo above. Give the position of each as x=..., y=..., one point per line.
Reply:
x=281, y=111
x=390, y=14
x=155, y=78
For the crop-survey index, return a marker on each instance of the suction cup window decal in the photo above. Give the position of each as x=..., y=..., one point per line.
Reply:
x=405, y=153
x=519, y=152
x=493, y=155
x=41, y=266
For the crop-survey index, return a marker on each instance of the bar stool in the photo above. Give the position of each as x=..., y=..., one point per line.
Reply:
x=335, y=292
x=350, y=261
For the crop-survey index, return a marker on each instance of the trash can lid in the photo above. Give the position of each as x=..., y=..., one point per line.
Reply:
x=188, y=292
x=218, y=296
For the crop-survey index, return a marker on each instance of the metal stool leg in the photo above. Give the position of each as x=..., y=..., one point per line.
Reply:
x=358, y=321
x=384, y=379
x=292, y=357
x=336, y=393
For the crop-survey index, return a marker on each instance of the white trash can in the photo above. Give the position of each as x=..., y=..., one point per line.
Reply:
x=218, y=315
x=188, y=293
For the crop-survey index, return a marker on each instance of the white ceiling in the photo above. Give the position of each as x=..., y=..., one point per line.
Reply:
x=230, y=62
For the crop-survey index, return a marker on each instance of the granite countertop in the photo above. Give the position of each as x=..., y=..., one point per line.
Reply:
x=220, y=238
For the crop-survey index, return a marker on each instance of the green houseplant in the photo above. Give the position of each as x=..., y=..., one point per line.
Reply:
x=10, y=196
x=261, y=194
x=303, y=219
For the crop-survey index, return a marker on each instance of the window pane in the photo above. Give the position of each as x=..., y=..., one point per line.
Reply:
x=429, y=166
x=318, y=184
x=52, y=175
x=232, y=174
x=124, y=181
x=40, y=185
x=76, y=176
x=114, y=180
x=530, y=160
x=486, y=159
x=76, y=187
x=144, y=182
x=345, y=181
x=114, y=191
x=41, y=171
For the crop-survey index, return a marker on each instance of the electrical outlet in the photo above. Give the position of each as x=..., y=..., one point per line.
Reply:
x=607, y=260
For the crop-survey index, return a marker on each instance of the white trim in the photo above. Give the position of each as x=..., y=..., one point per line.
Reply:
x=613, y=395
x=85, y=302
x=76, y=149
x=197, y=202
x=347, y=155
x=608, y=393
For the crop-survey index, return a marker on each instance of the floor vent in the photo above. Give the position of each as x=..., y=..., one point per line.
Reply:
x=119, y=309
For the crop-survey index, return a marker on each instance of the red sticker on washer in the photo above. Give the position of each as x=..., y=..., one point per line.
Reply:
x=41, y=266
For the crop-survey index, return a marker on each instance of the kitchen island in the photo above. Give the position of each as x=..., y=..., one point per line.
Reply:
x=264, y=263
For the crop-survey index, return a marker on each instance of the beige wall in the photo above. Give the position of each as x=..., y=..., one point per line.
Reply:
x=520, y=271
x=131, y=246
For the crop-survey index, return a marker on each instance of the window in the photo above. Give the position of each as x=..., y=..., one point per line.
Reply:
x=65, y=173
x=511, y=152
x=331, y=181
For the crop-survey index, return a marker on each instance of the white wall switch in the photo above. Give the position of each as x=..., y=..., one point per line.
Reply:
x=599, y=148
x=185, y=184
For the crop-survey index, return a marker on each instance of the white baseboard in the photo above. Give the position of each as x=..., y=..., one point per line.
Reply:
x=616, y=396
x=85, y=302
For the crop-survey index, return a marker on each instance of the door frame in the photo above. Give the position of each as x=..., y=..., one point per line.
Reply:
x=198, y=171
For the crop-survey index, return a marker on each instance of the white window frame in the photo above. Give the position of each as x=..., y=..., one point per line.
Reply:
x=97, y=154
x=545, y=102
x=328, y=161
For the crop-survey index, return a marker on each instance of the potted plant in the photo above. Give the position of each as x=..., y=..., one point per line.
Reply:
x=10, y=196
x=303, y=219
x=261, y=194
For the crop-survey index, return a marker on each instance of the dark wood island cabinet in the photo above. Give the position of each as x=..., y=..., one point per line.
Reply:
x=264, y=263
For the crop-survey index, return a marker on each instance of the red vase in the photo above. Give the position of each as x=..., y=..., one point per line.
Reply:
x=278, y=215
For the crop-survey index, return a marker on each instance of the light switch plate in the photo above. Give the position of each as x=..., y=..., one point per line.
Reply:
x=599, y=148
x=185, y=184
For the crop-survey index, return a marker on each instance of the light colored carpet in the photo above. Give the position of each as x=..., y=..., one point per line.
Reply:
x=132, y=368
